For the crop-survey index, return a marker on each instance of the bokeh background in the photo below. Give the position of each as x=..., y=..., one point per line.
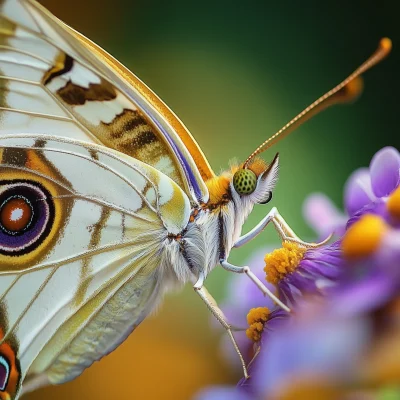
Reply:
x=235, y=72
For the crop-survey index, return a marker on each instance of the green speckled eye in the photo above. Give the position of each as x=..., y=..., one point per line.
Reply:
x=244, y=181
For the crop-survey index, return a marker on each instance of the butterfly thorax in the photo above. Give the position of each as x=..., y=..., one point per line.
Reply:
x=220, y=220
x=210, y=234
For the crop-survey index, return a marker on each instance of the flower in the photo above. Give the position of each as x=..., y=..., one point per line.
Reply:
x=261, y=320
x=371, y=236
x=319, y=354
x=371, y=250
x=297, y=270
x=371, y=229
x=364, y=187
x=367, y=185
x=313, y=350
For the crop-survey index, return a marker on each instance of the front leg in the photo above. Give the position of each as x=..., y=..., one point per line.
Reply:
x=286, y=234
x=246, y=270
x=284, y=230
x=219, y=315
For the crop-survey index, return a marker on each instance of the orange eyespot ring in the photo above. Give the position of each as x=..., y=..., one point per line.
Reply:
x=245, y=181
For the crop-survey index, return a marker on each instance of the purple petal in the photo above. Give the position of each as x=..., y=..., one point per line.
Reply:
x=378, y=207
x=362, y=297
x=286, y=291
x=303, y=283
x=323, y=216
x=358, y=191
x=323, y=345
x=329, y=253
x=320, y=269
x=385, y=171
x=388, y=255
x=222, y=393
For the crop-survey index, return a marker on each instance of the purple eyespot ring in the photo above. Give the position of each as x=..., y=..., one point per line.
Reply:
x=26, y=216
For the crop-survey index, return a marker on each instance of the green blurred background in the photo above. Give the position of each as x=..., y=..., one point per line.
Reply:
x=235, y=72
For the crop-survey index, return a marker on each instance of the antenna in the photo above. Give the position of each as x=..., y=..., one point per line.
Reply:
x=346, y=91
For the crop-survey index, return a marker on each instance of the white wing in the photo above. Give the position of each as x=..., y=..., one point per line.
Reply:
x=55, y=81
x=84, y=270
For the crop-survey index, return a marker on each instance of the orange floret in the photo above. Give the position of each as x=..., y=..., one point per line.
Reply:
x=393, y=204
x=283, y=261
x=364, y=236
x=256, y=318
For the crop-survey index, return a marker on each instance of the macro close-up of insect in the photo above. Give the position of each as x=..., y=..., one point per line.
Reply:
x=108, y=203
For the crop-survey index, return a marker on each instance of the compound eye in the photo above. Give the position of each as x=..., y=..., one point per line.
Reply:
x=245, y=181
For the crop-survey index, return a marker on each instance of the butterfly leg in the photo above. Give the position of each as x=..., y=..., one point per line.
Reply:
x=246, y=270
x=219, y=315
x=284, y=230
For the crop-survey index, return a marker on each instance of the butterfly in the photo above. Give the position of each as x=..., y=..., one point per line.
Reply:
x=106, y=200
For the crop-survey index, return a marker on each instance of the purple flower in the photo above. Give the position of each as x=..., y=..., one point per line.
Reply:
x=364, y=187
x=313, y=350
x=314, y=346
x=222, y=393
x=322, y=355
x=297, y=271
x=371, y=236
x=371, y=248
x=367, y=185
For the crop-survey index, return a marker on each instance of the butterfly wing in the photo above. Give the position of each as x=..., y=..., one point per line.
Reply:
x=80, y=253
x=54, y=77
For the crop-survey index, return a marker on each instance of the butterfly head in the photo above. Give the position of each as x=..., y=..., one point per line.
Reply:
x=255, y=182
x=242, y=187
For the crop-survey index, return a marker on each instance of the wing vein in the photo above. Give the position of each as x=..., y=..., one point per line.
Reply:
x=25, y=310
x=84, y=197
x=36, y=114
x=73, y=118
x=14, y=79
x=106, y=167
x=84, y=254
x=95, y=293
x=80, y=61
x=26, y=53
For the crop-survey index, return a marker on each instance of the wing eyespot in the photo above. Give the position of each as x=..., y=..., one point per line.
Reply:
x=4, y=373
x=26, y=216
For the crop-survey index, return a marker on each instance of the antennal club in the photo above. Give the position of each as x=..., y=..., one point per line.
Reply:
x=346, y=91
